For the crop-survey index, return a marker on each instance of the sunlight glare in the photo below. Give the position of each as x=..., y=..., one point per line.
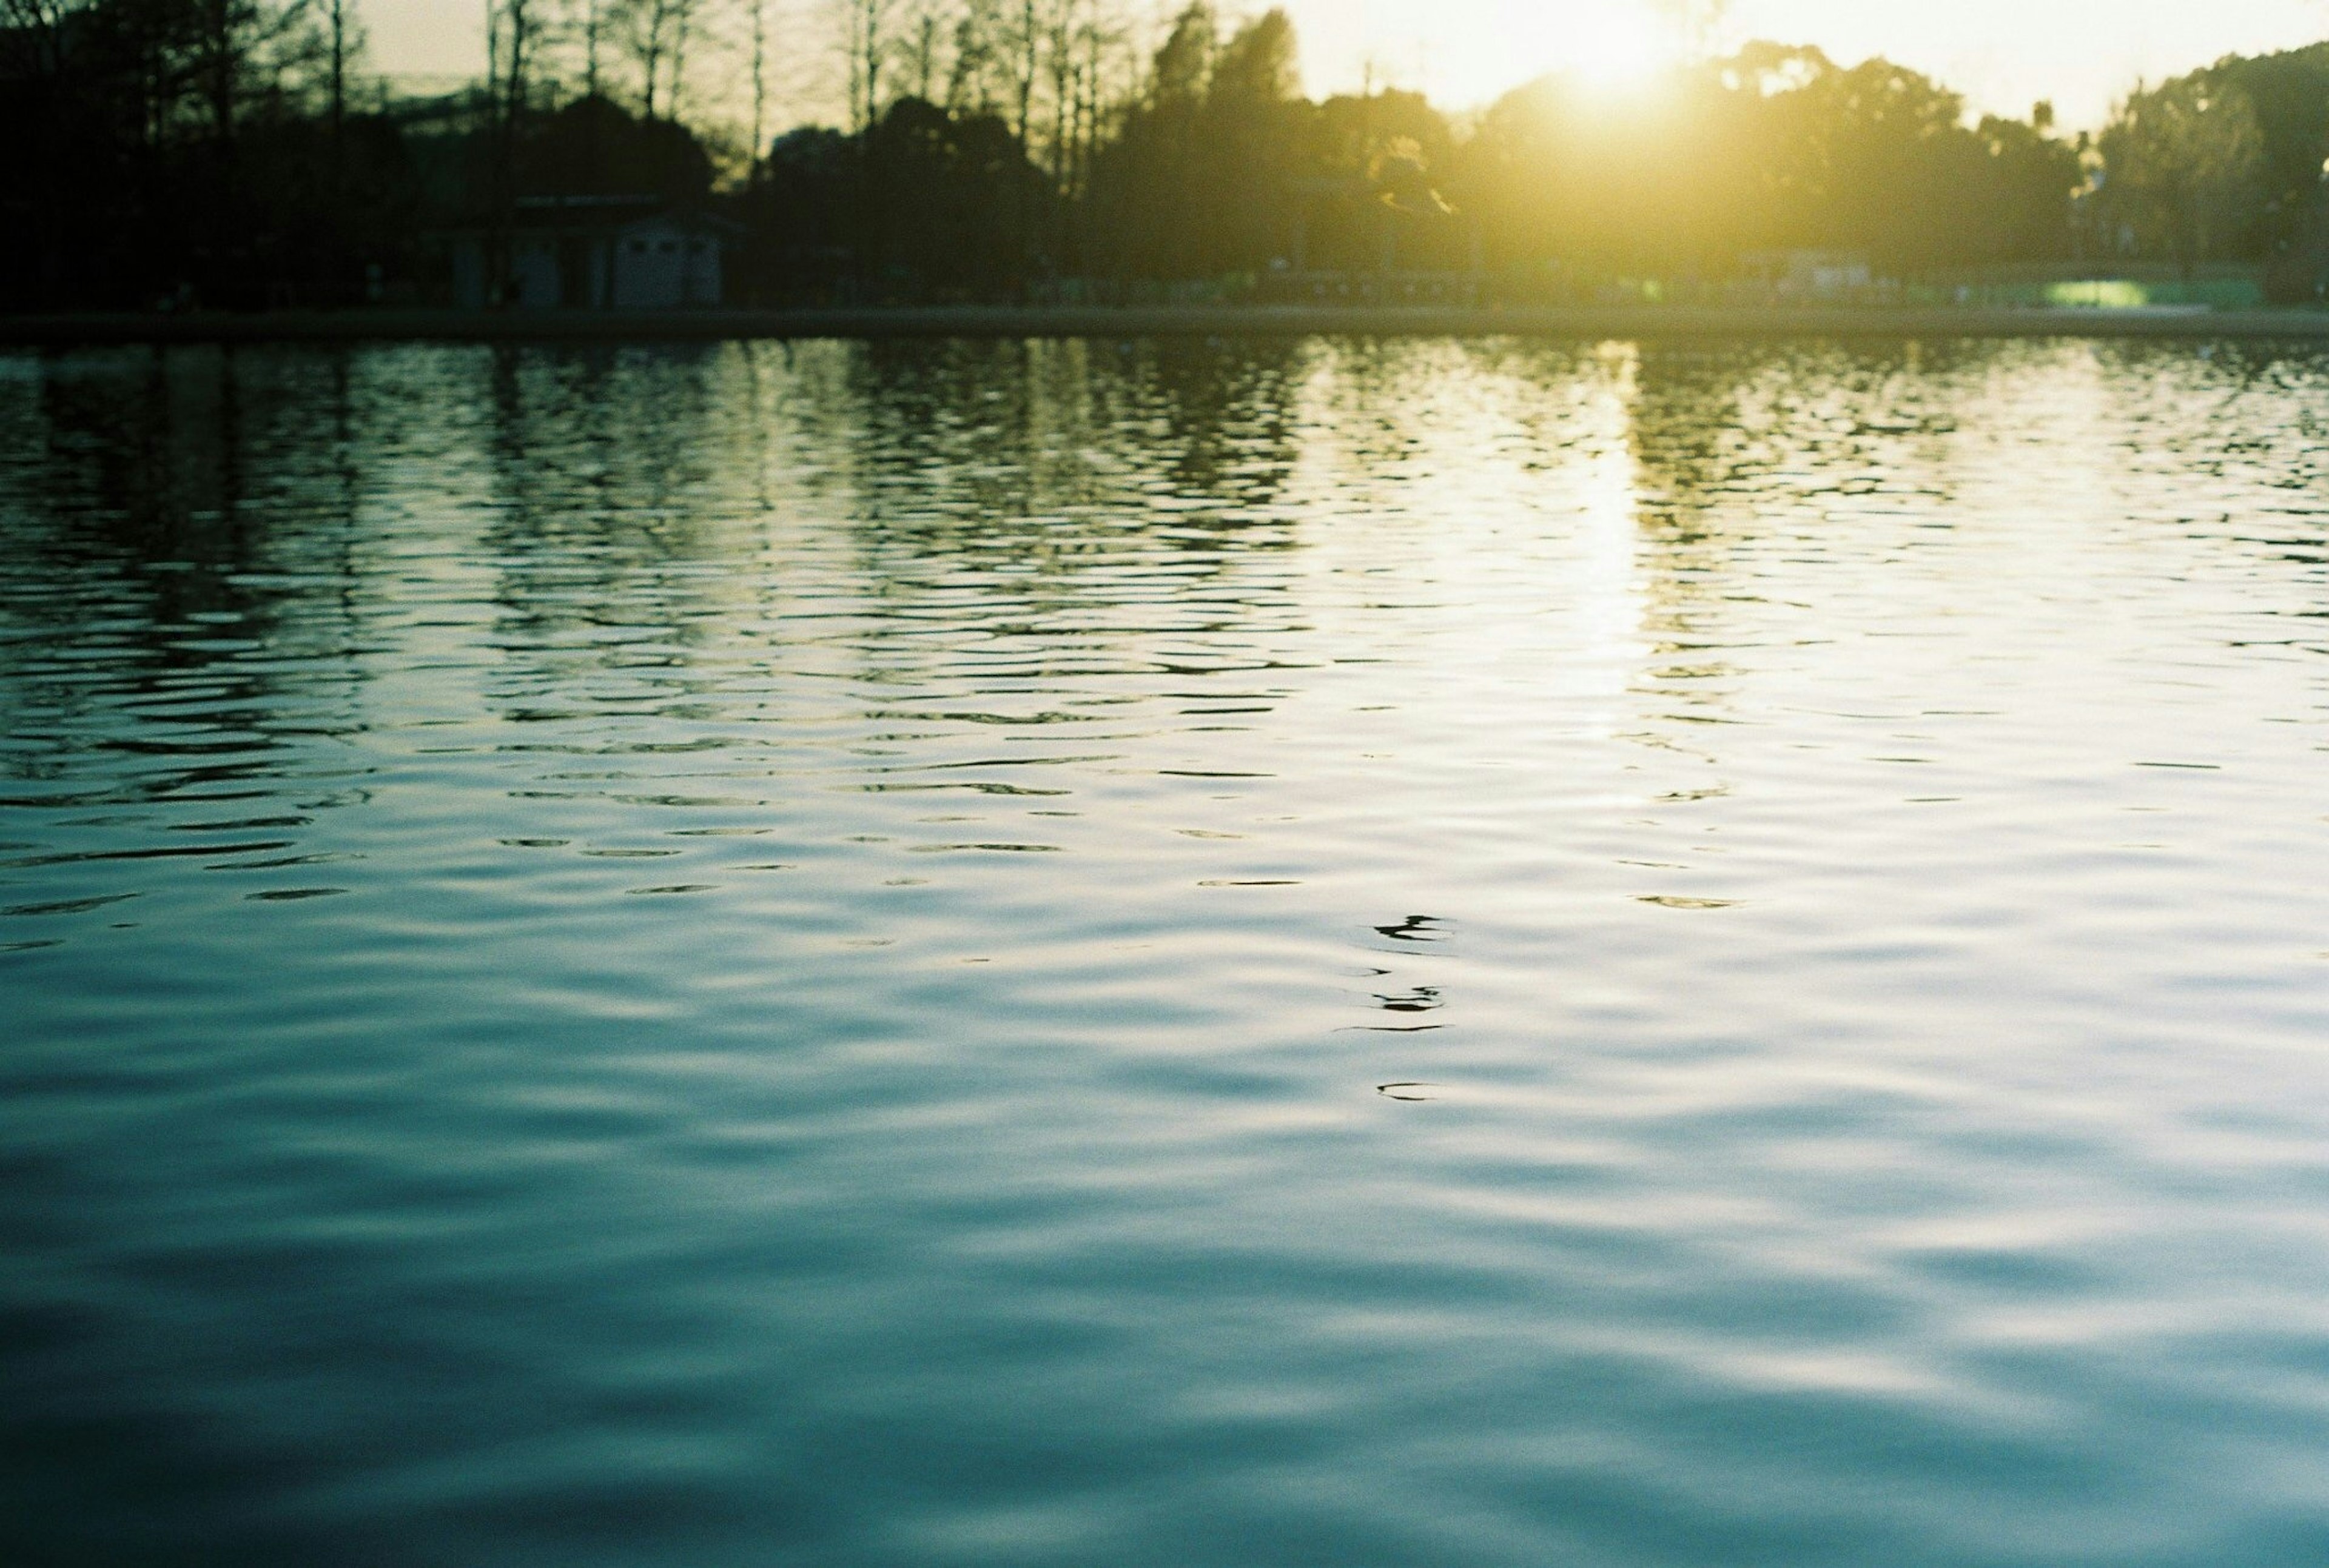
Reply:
x=1615, y=47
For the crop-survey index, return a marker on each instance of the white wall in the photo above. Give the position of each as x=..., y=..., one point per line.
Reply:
x=534, y=272
x=655, y=265
x=659, y=264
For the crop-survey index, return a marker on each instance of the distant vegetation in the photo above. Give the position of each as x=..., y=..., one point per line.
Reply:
x=232, y=152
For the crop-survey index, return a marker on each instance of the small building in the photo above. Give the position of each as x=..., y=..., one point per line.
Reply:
x=594, y=253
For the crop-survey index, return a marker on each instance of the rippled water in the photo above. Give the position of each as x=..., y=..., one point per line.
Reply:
x=1407, y=953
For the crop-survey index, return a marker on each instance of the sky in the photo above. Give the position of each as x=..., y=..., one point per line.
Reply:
x=2002, y=54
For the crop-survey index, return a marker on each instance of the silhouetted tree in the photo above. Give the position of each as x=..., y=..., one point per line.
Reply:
x=2284, y=223
x=992, y=146
x=594, y=146
x=655, y=34
x=2184, y=161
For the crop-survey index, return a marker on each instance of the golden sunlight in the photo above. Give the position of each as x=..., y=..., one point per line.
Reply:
x=1615, y=47
x=1606, y=45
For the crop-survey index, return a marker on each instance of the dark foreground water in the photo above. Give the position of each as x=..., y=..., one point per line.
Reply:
x=1095, y=955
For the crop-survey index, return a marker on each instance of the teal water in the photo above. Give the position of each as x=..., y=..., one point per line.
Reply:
x=1327, y=953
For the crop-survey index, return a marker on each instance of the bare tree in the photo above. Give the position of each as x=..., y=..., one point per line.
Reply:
x=519, y=38
x=512, y=36
x=1064, y=23
x=682, y=21
x=345, y=36
x=243, y=47
x=971, y=76
x=649, y=28
x=1023, y=41
x=759, y=10
x=925, y=33
x=1106, y=78
x=866, y=43
x=592, y=27
x=218, y=60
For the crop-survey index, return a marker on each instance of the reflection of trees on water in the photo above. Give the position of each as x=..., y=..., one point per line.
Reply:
x=1690, y=445
x=664, y=526
x=1068, y=501
x=2248, y=421
x=2244, y=413
x=991, y=435
x=1747, y=455
x=1409, y=423
x=187, y=597
x=1041, y=458
x=606, y=477
x=187, y=513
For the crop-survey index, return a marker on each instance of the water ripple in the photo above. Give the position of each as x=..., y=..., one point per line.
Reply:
x=818, y=954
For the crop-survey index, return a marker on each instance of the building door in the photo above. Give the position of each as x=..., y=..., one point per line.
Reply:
x=574, y=273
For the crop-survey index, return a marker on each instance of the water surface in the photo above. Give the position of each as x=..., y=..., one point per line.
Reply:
x=1321, y=953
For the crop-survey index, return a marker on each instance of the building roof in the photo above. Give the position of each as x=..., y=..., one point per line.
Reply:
x=581, y=216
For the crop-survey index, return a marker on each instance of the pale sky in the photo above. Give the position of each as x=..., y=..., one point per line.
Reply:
x=2002, y=54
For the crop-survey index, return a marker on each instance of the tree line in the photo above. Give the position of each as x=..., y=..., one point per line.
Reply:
x=237, y=154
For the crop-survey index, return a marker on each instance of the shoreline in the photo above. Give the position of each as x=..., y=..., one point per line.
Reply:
x=1582, y=322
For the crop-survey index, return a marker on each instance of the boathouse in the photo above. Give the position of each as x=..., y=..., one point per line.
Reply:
x=592, y=253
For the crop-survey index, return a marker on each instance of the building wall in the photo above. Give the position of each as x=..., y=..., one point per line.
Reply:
x=660, y=265
x=534, y=273
x=468, y=274
x=656, y=265
x=602, y=274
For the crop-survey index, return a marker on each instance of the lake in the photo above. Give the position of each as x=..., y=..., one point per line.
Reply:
x=1325, y=952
